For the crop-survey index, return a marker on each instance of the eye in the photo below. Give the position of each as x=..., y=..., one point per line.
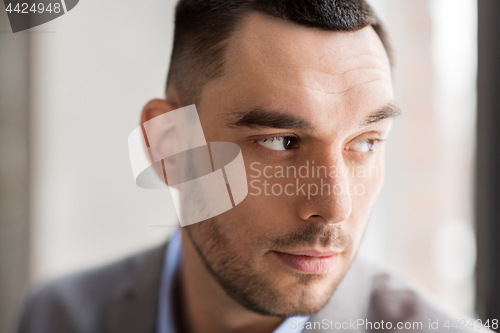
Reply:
x=364, y=146
x=279, y=142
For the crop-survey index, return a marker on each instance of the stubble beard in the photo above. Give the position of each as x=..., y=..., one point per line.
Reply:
x=255, y=291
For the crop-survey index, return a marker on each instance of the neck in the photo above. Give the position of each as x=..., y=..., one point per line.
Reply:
x=204, y=305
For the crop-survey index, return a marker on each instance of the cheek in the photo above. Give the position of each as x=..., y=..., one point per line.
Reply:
x=243, y=224
x=365, y=194
x=255, y=218
x=366, y=180
x=256, y=213
x=365, y=188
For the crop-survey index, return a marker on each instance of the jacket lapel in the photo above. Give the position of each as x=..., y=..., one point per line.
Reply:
x=134, y=306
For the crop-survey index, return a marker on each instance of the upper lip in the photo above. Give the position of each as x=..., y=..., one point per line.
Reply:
x=311, y=253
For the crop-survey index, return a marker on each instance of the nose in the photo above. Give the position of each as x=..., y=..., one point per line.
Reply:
x=332, y=202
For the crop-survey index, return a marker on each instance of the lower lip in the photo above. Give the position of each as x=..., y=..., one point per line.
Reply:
x=308, y=264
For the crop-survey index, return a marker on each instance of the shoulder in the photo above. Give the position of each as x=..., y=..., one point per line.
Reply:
x=371, y=299
x=78, y=302
x=407, y=305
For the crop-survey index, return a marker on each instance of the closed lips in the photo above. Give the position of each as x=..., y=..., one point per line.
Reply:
x=308, y=261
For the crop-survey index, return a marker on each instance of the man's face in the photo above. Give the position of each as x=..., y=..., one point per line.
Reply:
x=295, y=97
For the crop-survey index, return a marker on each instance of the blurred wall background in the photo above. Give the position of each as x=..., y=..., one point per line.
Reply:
x=92, y=70
x=423, y=224
x=14, y=177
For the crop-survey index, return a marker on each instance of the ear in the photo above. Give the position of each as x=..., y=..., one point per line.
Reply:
x=156, y=107
x=152, y=109
x=162, y=135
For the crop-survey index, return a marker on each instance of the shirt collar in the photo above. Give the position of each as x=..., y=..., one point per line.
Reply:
x=166, y=317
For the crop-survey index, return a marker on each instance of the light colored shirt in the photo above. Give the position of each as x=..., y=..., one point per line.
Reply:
x=166, y=315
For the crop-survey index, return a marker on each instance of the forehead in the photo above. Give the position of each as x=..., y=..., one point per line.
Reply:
x=282, y=65
x=265, y=41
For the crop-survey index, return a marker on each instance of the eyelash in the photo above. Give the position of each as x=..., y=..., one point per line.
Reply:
x=372, y=141
x=282, y=137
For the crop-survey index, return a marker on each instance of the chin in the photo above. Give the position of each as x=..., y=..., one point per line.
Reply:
x=303, y=300
x=306, y=295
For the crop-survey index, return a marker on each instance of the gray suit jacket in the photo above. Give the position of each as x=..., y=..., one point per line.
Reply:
x=123, y=298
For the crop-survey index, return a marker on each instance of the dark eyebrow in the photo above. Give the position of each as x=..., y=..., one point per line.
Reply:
x=259, y=117
x=391, y=110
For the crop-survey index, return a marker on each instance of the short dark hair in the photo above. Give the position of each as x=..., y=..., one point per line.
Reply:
x=203, y=27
